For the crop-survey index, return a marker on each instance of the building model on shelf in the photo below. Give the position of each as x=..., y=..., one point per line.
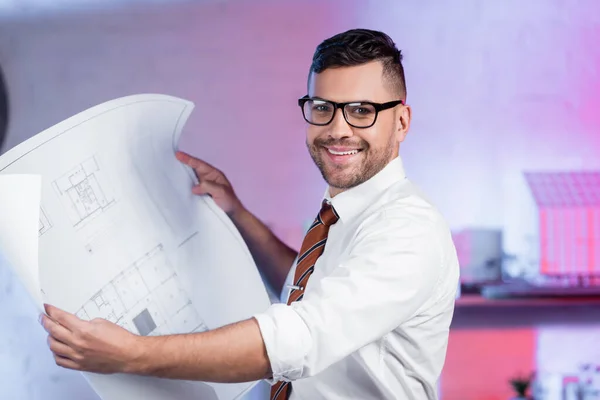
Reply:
x=569, y=224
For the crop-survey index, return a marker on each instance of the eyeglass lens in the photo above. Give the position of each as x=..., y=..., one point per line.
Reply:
x=320, y=112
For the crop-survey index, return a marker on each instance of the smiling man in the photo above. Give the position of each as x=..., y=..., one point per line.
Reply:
x=372, y=287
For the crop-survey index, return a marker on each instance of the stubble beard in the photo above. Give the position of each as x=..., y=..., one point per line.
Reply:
x=344, y=177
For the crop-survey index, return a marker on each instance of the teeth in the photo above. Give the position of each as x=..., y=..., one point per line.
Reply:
x=342, y=153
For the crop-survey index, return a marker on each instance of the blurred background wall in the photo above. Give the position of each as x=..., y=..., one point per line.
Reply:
x=497, y=89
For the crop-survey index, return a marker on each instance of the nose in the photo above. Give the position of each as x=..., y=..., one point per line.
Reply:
x=339, y=128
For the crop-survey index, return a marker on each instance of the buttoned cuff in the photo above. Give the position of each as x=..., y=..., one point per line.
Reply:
x=287, y=340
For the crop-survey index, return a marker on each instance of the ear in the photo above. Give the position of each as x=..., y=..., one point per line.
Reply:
x=403, y=118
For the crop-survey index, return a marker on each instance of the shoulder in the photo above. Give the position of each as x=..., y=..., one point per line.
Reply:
x=403, y=210
x=405, y=233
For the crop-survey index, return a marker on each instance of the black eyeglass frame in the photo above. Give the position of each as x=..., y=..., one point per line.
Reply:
x=377, y=106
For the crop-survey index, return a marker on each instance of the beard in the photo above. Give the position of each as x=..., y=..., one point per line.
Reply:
x=370, y=161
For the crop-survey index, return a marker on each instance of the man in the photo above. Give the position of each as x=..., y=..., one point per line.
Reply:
x=375, y=281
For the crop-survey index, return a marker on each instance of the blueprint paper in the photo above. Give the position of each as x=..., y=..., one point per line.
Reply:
x=19, y=214
x=121, y=236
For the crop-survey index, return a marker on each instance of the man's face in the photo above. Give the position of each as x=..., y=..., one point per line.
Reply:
x=345, y=155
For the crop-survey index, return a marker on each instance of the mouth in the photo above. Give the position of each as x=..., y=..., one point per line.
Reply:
x=341, y=155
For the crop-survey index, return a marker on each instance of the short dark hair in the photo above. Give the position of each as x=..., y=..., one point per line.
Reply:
x=360, y=46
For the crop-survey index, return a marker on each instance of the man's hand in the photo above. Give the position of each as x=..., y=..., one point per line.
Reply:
x=233, y=353
x=212, y=182
x=95, y=346
x=273, y=257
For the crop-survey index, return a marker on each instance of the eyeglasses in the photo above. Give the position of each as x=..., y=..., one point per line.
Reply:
x=359, y=114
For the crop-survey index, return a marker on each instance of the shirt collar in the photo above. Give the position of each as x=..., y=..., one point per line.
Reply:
x=351, y=202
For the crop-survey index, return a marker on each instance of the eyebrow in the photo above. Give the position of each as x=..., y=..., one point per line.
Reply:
x=351, y=101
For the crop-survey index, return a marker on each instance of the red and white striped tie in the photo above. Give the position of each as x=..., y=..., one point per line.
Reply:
x=312, y=248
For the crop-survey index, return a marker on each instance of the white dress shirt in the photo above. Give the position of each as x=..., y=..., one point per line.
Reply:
x=375, y=317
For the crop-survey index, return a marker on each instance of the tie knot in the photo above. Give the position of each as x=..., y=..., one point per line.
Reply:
x=328, y=214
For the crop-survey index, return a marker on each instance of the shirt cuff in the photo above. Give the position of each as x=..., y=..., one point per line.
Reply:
x=287, y=340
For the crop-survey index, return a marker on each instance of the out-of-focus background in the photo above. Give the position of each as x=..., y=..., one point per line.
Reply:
x=505, y=141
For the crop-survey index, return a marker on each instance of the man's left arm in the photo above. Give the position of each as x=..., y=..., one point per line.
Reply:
x=233, y=353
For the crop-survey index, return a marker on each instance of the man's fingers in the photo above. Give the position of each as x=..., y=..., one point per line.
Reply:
x=64, y=318
x=201, y=167
x=206, y=187
x=66, y=362
x=61, y=349
x=55, y=329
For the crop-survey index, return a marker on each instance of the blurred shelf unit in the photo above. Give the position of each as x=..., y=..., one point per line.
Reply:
x=567, y=244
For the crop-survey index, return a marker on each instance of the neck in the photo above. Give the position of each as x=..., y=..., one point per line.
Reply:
x=333, y=191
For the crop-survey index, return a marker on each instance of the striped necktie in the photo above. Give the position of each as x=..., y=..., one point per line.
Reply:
x=312, y=248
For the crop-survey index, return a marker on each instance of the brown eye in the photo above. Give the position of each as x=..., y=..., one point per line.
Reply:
x=360, y=111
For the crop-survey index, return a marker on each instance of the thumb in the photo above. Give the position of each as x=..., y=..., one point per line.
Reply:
x=64, y=318
x=207, y=187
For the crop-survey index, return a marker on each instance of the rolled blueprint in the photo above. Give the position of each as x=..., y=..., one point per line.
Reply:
x=97, y=218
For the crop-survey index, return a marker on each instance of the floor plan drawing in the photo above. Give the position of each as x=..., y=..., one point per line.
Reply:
x=82, y=193
x=97, y=217
x=145, y=299
x=45, y=223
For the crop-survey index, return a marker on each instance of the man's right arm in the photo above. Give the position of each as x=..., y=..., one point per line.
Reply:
x=273, y=257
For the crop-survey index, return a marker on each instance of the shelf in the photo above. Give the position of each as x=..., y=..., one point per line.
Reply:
x=477, y=312
x=480, y=301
